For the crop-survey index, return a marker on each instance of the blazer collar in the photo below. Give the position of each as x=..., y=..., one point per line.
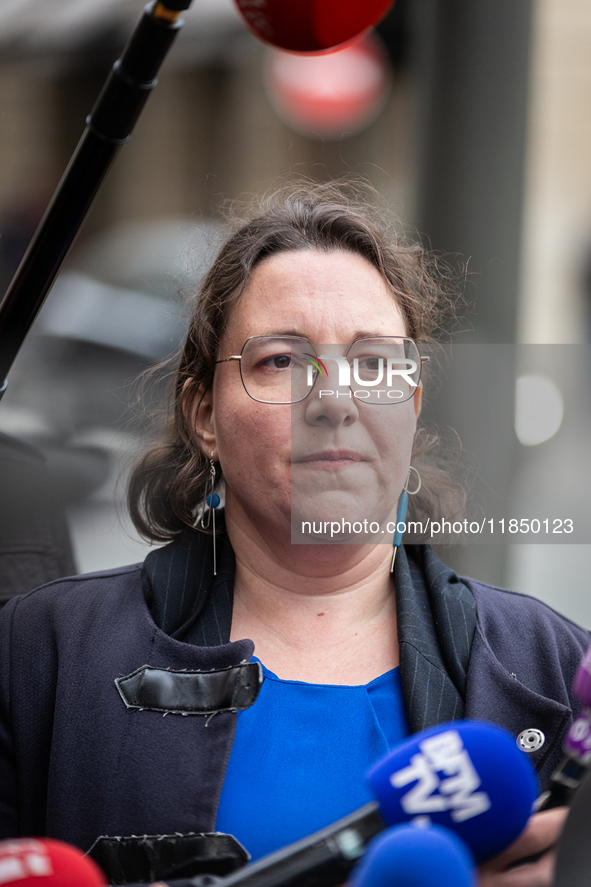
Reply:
x=436, y=624
x=436, y=616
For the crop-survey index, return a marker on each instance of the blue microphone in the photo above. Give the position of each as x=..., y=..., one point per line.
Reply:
x=407, y=856
x=468, y=776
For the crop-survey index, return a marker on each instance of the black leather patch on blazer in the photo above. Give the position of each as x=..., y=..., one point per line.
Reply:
x=152, y=858
x=191, y=692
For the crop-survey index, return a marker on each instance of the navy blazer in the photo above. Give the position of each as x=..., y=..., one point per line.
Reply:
x=76, y=762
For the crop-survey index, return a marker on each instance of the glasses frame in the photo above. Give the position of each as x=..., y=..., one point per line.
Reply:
x=423, y=359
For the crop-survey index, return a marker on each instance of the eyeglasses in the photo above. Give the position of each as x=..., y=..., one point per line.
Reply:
x=284, y=369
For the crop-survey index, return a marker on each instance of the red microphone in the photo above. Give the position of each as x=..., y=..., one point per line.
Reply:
x=311, y=25
x=43, y=862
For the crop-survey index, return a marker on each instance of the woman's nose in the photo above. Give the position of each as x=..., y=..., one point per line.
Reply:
x=330, y=401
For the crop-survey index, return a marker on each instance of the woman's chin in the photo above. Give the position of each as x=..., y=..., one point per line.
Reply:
x=338, y=519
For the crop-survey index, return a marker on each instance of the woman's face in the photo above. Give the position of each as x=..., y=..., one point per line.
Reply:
x=326, y=458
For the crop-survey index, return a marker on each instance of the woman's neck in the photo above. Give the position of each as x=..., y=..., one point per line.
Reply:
x=322, y=614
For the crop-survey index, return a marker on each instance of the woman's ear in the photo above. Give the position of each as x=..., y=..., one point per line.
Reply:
x=198, y=409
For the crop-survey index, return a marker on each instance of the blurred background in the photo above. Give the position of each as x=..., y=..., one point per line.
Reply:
x=470, y=117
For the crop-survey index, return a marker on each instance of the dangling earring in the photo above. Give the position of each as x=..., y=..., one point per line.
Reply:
x=401, y=513
x=212, y=500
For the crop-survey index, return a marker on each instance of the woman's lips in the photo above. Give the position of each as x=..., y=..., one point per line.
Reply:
x=331, y=459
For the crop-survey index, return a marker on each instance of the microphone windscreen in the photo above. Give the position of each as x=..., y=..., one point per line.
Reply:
x=582, y=682
x=311, y=25
x=44, y=862
x=468, y=776
x=407, y=856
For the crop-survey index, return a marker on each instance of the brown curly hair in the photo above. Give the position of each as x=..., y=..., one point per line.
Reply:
x=167, y=485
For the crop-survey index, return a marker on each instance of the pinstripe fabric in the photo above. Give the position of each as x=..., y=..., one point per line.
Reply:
x=436, y=616
x=186, y=600
x=436, y=624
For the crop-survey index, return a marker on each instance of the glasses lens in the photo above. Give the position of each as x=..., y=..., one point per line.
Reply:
x=384, y=370
x=275, y=369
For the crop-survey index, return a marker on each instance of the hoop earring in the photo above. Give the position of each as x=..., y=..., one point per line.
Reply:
x=212, y=500
x=401, y=513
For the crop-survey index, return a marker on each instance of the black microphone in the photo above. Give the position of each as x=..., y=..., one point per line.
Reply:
x=109, y=125
x=573, y=853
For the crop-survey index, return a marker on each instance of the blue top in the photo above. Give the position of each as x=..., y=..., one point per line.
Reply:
x=300, y=756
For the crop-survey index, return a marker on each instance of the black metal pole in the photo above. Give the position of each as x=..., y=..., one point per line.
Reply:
x=109, y=125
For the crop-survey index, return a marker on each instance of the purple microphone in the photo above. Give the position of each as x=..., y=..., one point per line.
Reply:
x=582, y=681
x=577, y=745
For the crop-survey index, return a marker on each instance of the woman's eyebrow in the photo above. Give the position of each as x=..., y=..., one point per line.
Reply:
x=283, y=333
x=364, y=334
x=358, y=334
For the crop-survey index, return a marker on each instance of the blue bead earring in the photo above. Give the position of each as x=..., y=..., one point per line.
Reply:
x=211, y=500
x=401, y=513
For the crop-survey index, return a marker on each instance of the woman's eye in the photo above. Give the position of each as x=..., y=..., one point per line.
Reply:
x=370, y=363
x=282, y=361
x=277, y=362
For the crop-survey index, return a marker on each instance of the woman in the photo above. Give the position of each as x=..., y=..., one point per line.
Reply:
x=354, y=657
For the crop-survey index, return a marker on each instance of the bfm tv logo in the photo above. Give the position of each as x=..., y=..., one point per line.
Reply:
x=442, y=754
x=385, y=372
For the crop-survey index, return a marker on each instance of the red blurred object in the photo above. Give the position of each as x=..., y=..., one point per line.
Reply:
x=311, y=25
x=330, y=96
x=43, y=862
